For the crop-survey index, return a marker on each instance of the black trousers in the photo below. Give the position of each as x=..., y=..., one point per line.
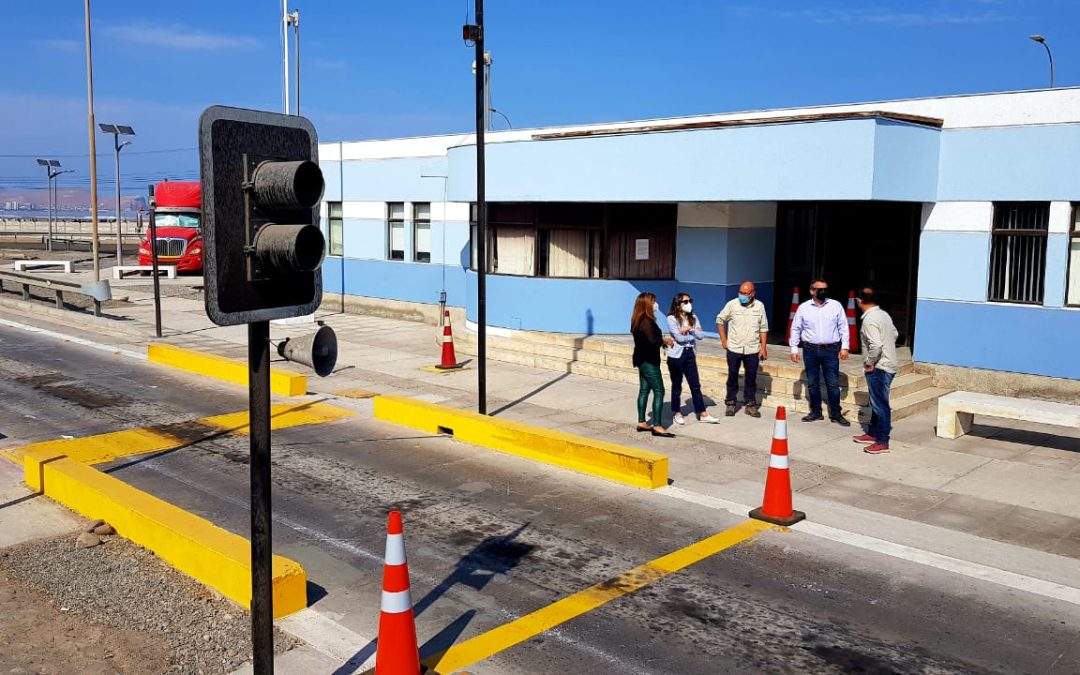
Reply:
x=750, y=363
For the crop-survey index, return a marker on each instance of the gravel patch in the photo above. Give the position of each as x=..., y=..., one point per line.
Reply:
x=122, y=585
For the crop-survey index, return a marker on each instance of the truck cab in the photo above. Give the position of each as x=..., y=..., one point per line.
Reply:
x=179, y=235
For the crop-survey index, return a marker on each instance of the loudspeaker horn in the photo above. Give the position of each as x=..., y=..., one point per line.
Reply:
x=317, y=350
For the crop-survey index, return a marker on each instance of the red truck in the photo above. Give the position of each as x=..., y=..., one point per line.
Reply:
x=179, y=239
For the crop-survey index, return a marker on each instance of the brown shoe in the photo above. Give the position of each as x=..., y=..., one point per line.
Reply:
x=729, y=411
x=752, y=411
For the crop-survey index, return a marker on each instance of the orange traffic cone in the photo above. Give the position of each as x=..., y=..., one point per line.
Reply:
x=777, y=508
x=449, y=360
x=853, y=332
x=794, y=308
x=397, y=653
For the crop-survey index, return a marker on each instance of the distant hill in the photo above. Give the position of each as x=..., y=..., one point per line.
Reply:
x=70, y=198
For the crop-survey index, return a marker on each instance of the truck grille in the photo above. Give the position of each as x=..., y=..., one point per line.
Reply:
x=171, y=247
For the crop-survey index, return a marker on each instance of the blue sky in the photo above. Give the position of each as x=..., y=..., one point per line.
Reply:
x=378, y=70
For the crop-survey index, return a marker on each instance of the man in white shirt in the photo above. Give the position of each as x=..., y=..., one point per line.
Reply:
x=820, y=328
x=744, y=338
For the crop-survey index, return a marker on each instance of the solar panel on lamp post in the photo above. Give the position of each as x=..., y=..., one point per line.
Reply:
x=118, y=130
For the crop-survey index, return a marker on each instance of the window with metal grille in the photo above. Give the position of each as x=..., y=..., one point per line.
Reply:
x=1072, y=291
x=337, y=220
x=1018, y=252
x=395, y=235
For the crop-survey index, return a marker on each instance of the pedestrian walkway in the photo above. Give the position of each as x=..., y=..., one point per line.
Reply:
x=1014, y=483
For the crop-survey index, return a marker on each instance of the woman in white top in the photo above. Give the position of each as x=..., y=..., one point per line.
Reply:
x=685, y=330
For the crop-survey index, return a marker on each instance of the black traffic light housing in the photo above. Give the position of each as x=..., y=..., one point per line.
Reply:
x=261, y=186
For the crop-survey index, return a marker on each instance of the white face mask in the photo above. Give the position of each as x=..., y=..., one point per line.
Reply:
x=655, y=307
x=687, y=307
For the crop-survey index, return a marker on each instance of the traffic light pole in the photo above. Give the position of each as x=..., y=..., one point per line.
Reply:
x=481, y=219
x=262, y=600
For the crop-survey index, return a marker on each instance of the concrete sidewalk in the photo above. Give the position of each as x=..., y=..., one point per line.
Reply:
x=1015, y=484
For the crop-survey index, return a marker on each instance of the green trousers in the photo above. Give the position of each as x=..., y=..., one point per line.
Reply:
x=650, y=379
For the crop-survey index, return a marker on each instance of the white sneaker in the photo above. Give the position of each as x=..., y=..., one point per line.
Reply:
x=678, y=419
x=707, y=418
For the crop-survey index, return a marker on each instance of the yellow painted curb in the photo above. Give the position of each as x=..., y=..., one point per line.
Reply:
x=620, y=463
x=231, y=370
x=193, y=545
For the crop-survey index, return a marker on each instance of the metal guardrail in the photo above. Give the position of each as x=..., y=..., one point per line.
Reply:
x=98, y=291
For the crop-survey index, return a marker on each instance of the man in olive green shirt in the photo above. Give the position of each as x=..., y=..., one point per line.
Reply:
x=747, y=329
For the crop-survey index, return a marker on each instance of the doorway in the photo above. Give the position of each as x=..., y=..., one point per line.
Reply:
x=849, y=244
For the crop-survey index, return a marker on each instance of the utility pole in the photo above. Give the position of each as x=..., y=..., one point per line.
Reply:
x=475, y=33
x=93, y=145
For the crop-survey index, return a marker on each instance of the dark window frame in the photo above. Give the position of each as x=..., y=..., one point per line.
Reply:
x=598, y=244
x=390, y=223
x=340, y=243
x=1074, y=236
x=1018, y=229
x=416, y=220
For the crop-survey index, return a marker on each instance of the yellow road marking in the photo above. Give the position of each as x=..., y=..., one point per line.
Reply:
x=107, y=447
x=529, y=626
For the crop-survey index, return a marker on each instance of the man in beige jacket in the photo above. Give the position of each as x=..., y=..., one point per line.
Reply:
x=878, y=335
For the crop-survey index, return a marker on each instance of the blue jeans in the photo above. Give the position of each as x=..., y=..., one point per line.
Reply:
x=879, y=382
x=825, y=361
x=685, y=365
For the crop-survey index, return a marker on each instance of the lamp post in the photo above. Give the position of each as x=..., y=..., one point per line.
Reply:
x=52, y=167
x=1041, y=40
x=118, y=130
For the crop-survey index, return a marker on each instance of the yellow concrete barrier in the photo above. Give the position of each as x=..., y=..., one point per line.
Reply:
x=615, y=462
x=193, y=545
x=231, y=370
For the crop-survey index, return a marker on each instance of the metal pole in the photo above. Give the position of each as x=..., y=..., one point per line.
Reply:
x=285, y=53
x=487, y=91
x=49, y=183
x=119, y=252
x=1051, y=57
x=481, y=219
x=151, y=206
x=93, y=145
x=296, y=40
x=262, y=600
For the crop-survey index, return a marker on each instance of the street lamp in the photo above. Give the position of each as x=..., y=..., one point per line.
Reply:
x=1041, y=40
x=51, y=171
x=118, y=130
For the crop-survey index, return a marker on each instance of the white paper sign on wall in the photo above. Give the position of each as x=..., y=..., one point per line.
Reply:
x=641, y=249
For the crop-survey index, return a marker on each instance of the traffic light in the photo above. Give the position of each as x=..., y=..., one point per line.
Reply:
x=261, y=186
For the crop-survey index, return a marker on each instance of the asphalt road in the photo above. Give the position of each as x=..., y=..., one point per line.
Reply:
x=491, y=538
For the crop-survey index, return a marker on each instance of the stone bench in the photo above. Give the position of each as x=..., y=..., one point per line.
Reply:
x=22, y=265
x=957, y=410
x=119, y=271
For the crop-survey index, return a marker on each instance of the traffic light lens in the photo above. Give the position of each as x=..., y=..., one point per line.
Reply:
x=289, y=249
x=288, y=185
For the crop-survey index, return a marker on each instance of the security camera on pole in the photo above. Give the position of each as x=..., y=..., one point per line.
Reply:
x=261, y=186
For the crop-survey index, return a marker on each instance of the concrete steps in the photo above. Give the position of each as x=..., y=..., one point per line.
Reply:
x=780, y=382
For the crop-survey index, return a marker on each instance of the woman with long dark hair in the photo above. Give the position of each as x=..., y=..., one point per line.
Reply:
x=647, y=341
x=685, y=330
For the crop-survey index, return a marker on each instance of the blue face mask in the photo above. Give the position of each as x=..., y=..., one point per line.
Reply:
x=744, y=299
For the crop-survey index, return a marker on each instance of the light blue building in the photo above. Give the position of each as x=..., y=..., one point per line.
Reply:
x=960, y=210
